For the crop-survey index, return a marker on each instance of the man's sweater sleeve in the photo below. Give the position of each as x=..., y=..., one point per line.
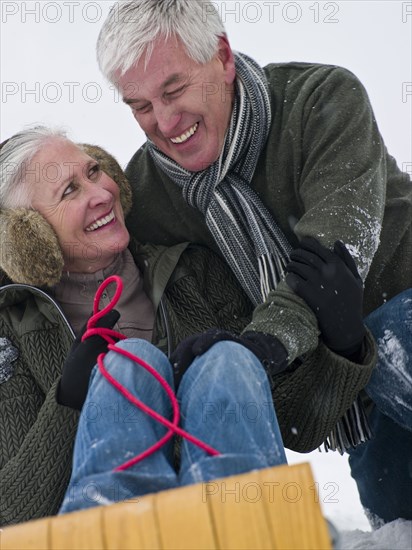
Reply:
x=341, y=189
x=310, y=400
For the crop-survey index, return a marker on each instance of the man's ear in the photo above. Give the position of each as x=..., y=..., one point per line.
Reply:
x=226, y=56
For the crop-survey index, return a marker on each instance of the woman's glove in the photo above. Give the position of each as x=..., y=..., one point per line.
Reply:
x=267, y=349
x=330, y=284
x=74, y=382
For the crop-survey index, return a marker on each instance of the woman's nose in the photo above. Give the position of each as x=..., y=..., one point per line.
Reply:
x=98, y=195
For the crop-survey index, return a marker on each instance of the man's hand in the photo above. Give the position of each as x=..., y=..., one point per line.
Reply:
x=330, y=284
x=267, y=349
x=74, y=383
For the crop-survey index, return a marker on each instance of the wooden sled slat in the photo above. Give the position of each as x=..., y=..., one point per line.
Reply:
x=274, y=508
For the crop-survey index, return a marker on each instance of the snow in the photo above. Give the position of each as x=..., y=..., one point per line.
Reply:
x=339, y=500
x=394, y=535
x=8, y=354
x=394, y=356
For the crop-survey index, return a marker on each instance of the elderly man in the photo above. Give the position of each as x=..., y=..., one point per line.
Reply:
x=248, y=161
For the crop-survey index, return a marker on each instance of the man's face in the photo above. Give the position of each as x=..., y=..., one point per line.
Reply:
x=182, y=106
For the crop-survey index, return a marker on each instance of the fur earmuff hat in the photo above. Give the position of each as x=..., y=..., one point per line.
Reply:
x=30, y=252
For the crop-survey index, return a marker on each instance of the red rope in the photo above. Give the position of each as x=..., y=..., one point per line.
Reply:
x=111, y=337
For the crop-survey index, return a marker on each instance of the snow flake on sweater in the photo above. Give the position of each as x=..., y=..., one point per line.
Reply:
x=8, y=354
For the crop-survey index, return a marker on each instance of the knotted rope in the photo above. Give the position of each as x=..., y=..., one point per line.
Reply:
x=111, y=336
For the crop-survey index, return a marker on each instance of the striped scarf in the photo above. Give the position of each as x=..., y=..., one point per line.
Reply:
x=247, y=235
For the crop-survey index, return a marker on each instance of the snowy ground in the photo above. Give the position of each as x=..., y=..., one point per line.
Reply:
x=340, y=503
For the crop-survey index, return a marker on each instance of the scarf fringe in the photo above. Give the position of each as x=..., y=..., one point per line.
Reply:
x=271, y=271
x=350, y=431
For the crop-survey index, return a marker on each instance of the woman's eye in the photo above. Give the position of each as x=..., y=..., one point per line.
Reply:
x=94, y=172
x=69, y=189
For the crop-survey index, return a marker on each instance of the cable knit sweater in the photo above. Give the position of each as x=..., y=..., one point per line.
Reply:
x=37, y=434
x=324, y=172
x=191, y=290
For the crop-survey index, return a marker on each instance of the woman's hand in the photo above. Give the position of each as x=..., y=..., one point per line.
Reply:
x=74, y=383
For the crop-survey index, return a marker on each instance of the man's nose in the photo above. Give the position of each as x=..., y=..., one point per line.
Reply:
x=167, y=118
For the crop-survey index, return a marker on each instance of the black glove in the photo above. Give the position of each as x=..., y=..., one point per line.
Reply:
x=74, y=382
x=330, y=284
x=267, y=349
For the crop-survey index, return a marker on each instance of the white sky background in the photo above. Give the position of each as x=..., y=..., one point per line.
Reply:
x=49, y=75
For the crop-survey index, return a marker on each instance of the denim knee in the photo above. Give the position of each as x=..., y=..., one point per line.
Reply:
x=396, y=312
x=390, y=384
x=223, y=361
x=123, y=368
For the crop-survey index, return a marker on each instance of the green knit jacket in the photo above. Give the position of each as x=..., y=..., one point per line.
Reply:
x=191, y=292
x=324, y=172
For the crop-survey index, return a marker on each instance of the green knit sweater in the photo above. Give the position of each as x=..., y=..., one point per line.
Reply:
x=324, y=172
x=190, y=292
x=37, y=434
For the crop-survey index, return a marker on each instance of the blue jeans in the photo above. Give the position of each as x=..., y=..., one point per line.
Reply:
x=225, y=401
x=382, y=467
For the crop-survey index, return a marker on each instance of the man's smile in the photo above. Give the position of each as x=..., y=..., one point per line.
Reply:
x=186, y=135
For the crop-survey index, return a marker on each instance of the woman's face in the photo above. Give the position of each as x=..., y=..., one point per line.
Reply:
x=80, y=202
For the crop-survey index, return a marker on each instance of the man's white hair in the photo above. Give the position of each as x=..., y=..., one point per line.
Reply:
x=132, y=26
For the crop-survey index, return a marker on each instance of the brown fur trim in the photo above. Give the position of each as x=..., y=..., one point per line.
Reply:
x=30, y=252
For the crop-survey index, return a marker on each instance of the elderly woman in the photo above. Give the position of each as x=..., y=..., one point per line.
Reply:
x=63, y=232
